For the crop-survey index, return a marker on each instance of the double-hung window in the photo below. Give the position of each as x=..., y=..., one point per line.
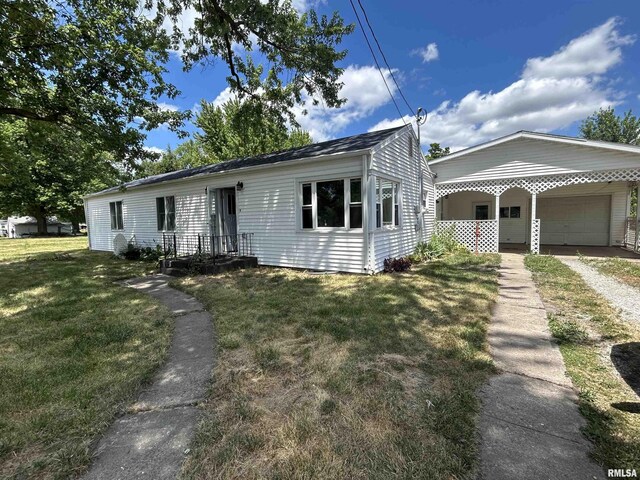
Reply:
x=166, y=213
x=115, y=209
x=387, y=203
x=331, y=204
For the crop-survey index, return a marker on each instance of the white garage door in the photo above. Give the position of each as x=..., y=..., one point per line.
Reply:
x=574, y=220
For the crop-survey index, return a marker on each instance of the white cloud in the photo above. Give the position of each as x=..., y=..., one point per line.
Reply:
x=365, y=92
x=428, y=53
x=552, y=93
x=157, y=150
x=168, y=107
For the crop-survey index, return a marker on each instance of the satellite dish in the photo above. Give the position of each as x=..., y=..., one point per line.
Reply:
x=119, y=244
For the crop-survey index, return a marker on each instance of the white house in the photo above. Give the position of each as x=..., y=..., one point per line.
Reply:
x=18, y=227
x=344, y=204
x=532, y=188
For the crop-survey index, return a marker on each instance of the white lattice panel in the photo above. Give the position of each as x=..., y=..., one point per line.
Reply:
x=538, y=184
x=632, y=236
x=535, y=235
x=476, y=235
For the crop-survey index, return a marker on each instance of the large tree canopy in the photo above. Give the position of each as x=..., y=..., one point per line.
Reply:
x=46, y=170
x=606, y=125
x=233, y=130
x=244, y=129
x=97, y=66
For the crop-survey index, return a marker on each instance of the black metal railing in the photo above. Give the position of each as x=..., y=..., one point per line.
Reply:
x=177, y=245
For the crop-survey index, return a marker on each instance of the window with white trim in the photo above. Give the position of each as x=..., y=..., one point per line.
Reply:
x=166, y=213
x=387, y=203
x=115, y=209
x=331, y=204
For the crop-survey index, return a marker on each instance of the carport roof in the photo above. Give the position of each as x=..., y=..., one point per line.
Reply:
x=623, y=147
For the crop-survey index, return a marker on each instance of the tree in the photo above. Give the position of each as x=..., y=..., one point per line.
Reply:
x=607, y=126
x=436, y=151
x=97, y=67
x=244, y=129
x=93, y=67
x=186, y=155
x=45, y=170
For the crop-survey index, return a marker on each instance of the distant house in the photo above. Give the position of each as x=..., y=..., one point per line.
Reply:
x=3, y=227
x=18, y=227
x=344, y=205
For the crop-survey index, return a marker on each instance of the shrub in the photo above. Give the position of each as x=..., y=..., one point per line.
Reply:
x=132, y=252
x=441, y=243
x=401, y=264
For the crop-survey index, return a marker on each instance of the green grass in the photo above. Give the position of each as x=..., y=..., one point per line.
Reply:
x=17, y=249
x=74, y=348
x=587, y=327
x=623, y=270
x=345, y=376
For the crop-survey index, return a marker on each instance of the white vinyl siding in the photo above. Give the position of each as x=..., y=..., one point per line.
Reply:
x=527, y=157
x=266, y=207
x=391, y=161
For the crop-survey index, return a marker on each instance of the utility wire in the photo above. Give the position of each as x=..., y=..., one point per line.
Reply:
x=375, y=59
x=366, y=18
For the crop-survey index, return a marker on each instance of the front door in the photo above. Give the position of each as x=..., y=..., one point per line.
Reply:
x=228, y=218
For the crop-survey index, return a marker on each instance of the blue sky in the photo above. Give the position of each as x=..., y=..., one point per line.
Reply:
x=482, y=69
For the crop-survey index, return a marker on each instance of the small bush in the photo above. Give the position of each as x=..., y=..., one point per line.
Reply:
x=567, y=331
x=441, y=243
x=132, y=252
x=401, y=264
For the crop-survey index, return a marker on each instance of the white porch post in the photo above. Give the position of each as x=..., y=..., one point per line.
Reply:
x=497, y=220
x=535, y=225
x=637, y=217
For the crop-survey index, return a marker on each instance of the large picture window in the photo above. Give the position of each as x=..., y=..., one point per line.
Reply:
x=115, y=208
x=331, y=204
x=166, y=213
x=387, y=203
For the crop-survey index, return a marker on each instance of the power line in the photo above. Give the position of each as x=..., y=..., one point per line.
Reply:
x=375, y=59
x=366, y=18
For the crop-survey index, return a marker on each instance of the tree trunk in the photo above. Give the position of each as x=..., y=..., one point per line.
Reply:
x=75, y=225
x=41, y=219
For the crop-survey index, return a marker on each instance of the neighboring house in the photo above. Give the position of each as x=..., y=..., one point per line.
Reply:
x=3, y=227
x=343, y=205
x=541, y=188
x=18, y=227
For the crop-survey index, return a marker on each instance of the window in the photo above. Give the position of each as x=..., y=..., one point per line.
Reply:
x=387, y=203
x=355, y=203
x=115, y=208
x=481, y=212
x=307, y=206
x=166, y=213
x=510, y=212
x=331, y=204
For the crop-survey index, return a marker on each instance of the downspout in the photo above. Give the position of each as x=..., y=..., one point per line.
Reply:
x=86, y=222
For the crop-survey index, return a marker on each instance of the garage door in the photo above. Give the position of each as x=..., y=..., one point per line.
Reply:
x=574, y=220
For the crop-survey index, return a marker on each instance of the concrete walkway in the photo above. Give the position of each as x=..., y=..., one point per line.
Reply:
x=618, y=294
x=529, y=423
x=151, y=441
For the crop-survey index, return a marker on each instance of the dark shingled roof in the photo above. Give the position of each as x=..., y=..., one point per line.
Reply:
x=340, y=145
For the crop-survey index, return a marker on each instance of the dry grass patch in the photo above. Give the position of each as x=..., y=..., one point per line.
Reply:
x=623, y=270
x=74, y=348
x=345, y=376
x=587, y=328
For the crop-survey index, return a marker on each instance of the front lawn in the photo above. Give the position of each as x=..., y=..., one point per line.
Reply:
x=345, y=376
x=623, y=270
x=587, y=328
x=74, y=348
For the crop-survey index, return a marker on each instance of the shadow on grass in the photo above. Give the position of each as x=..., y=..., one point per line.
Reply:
x=626, y=358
